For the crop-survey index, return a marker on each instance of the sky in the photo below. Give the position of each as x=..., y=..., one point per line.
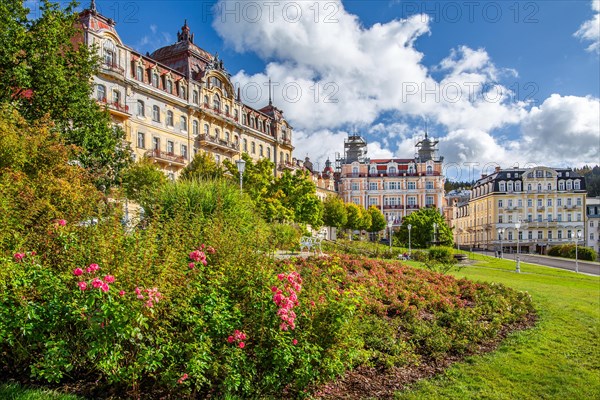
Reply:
x=508, y=83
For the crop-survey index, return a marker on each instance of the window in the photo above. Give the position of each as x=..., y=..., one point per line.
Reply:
x=561, y=185
x=500, y=219
x=429, y=200
x=269, y=152
x=429, y=170
x=549, y=235
x=518, y=186
x=253, y=146
x=206, y=129
x=244, y=119
x=502, y=187
x=539, y=202
x=577, y=184
x=226, y=110
x=195, y=127
x=217, y=102
x=549, y=202
x=500, y=203
x=559, y=217
x=569, y=234
x=287, y=158
x=101, y=93
x=568, y=217
x=539, y=187
x=245, y=142
x=141, y=140
x=354, y=186
x=260, y=150
x=182, y=91
x=169, y=86
x=529, y=218
x=549, y=187
x=372, y=185
x=139, y=73
x=183, y=123
x=411, y=201
x=520, y=235
x=217, y=133
x=578, y=216
x=155, y=79
x=170, y=147
x=235, y=114
x=116, y=96
x=520, y=203
x=559, y=202
x=372, y=201
x=510, y=235
x=109, y=53
x=184, y=152
x=169, y=118
x=195, y=97
x=155, y=114
x=529, y=203
x=392, y=171
x=529, y=235
x=510, y=186
x=549, y=217
x=156, y=143
x=412, y=185
x=559, y=234
x=539, y=218
x=540, y=235
x=141, y=109
x=569, y=185
x=206, y=100
x=578, y=201
x=429, y=185
x=569, y=201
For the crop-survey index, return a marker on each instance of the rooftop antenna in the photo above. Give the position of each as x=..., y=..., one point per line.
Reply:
x=93, y=5
x=270, y=101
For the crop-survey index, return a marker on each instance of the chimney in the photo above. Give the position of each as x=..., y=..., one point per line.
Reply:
x=497, y=169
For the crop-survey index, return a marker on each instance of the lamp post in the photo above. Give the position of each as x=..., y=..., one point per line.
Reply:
x=390, y=224
x=409, y=249
x=434, y=233
x=518, y=226
x=500, y=233
x=577, y=237
x=241, y=166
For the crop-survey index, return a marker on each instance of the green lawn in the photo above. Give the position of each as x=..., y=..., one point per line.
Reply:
x=557, y=359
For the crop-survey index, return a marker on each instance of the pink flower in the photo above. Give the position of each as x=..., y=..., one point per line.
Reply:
x=211, y=250
x=109, y=279
x=274, y=289
x=77, y=272
x=62, y=222
x=242, y=345
x=230, y=339
x=183, y=378
x=19, y=256
x=203, y=261
x=137, y=291
x=191, y=265
x=105, y=287
x=82, y=285
x=92, y=268
x=33, y=253
x=122, y=293
x=196, y=255
x=283, y=326
x=149, y=304
x=294, y=342
x=281, y=277
x=140, y=296
x=97, y=283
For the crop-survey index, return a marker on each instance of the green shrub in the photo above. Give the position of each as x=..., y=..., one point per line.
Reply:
x=285, y=236
x=568, y=251
x=442, y=254
x=419, y=255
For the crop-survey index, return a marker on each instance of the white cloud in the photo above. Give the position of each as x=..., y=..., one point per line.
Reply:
x=590, y=30
x=331, y=77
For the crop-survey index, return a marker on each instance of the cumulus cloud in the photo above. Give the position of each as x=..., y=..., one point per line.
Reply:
x=332, y=75
x=590, y=30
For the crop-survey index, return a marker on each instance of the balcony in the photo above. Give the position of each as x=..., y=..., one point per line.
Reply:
x=113, y=68
x=393, y=207
x=115, y=106
x=412, y=206
x=165, y=157
x=287, y=166
x=216, y=143
x=222, y=114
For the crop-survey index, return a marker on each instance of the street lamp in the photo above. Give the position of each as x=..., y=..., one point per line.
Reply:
x=241, y=166
x=577, y=237
x=500, y=233
x=518, y=226
x=434, y=233
x=390, y=224
x=409, y=250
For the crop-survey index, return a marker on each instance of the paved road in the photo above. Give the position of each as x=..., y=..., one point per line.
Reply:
x=587, y=267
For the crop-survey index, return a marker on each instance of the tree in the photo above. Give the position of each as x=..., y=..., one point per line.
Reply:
x=142, y=179
x=422, y=233
x=334, y=212
x=203, y=166
x=354, y=217
x=378, y=222
x=45, y=73
x=365, y=219
x=299, y=196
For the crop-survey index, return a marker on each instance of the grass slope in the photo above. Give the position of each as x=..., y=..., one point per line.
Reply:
x=557, y=359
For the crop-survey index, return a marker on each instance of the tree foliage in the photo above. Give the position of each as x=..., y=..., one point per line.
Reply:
x=378, y=222
x=203, y=166
x=422, y=233
x=592, y=179
x=142, y=179
x=44, y=73
x=334, y=212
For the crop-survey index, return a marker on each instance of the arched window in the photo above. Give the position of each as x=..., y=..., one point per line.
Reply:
x=246, y=145
x=206, y=100
x=195, y=127
x=217, y=133
x=155, y=79
x=244, y=119
x=217, y=102
x=269, y=152
x=183, y=123
x=155, y=113
x=109, y=53
x=227, y=110
x=139, y=73
x=549, y=187
x=227, y=137
x=287, y=158
x=253, y=147
x=281, y=156
x=539, y=187
x=354, y=170
x=577, y=185
x=169, y=86
x=260, y=150
x=169, y=118
x=206, y=129
x=392, y=171
x=429, y=170
x=141, y=110
x=529, y=187
x=101, y=93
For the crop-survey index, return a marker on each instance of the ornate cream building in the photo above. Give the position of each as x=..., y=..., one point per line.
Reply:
x=396, y=186
x=180, y=100
x=549, y=203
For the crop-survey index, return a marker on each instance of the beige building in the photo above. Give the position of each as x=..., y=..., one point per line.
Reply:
x=180, y=100
x=396, y=186
x=548, y=203
x=592, y=235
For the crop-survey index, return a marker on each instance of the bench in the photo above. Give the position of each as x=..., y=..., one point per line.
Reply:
x=310, y=242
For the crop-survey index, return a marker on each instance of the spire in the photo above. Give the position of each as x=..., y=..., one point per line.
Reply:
x=426, y=126
x=93, y=6
x=184, y=36
x=270, y=101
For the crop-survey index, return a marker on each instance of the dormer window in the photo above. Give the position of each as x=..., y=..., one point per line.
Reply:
x=195, y=97
x=392, y=171
x=577, y=185
x=155, y=79
x=168, y=86
x=139, y=73
x=429, y=170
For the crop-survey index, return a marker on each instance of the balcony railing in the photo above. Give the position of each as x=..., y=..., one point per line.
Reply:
x=111, y=66
x=412, y=206
x=219, y=142
x=393, y=207
x=115, y=105
x=286, y=165
x=165, y=157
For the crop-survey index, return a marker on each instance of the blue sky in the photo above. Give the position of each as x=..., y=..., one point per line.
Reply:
x=369, y=57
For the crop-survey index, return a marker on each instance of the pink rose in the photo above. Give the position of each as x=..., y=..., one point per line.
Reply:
x=77, y=272
x=137, y=291
x=242, y=345
x=97, y=283
x=211, y=250
x=104, y=287
x=82, y=285
x=294, y=342
x=230, y=339
x=122, y=293
x=196, y=255
x=109, y=279
x=19, y=257
x=191, y=265
x=62, y=222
